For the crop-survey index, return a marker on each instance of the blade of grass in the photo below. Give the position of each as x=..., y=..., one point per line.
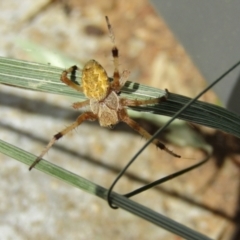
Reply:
x=92, y=188
x=45, y=78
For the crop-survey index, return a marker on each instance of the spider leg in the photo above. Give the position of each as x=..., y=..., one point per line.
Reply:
x=78, y=105
x=116, y=75
x=124, y=77
x=134, y=125
x=83, y=117
x=137, y=102
x=67, y=81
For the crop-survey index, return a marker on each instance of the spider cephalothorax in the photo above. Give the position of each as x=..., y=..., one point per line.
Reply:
x=103, y=99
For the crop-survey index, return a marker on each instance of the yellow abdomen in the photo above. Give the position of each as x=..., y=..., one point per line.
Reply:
x=95, y=81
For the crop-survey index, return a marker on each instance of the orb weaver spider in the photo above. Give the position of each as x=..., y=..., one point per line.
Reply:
x=104, y=101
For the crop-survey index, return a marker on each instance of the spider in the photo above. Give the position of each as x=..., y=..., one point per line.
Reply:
x=104, y=101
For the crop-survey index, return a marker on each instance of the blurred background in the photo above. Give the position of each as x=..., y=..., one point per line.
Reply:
x=36, y=206
x=210, y=33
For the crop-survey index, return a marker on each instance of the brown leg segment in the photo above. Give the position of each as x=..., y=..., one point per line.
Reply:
x=134, y=125
x=82, y=104
x=124, y=77
x=67, y=81
x=83, y=117
x=116, y=75
x=137, y=102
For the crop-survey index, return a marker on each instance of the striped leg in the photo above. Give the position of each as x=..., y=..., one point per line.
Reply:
x=116, y=75
x=83, y=117
x=67, y=81
x=134, y=125
x=137, y=102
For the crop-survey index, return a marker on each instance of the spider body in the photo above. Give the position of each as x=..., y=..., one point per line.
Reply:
x=103, y=99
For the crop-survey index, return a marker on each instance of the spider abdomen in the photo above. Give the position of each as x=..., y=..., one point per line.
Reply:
x=95, y=81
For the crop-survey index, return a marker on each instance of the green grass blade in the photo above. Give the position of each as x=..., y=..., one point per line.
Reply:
x=92, y=188
x=45, y=78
